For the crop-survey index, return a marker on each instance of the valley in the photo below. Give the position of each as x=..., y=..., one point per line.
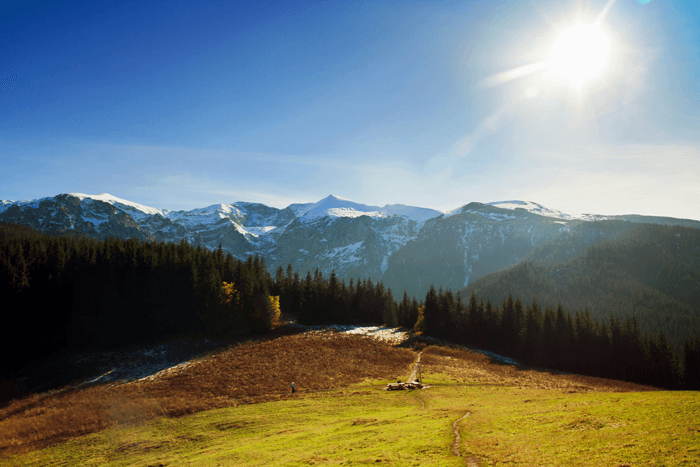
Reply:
x=234, y=233
x=192, y=362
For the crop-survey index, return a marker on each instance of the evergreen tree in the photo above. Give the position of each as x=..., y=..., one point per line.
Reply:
x=476, y=322
x=691, y=364
x=335, y=302
x=431, y=312
x=586, y=360
x=510, y=327
x=307, y=312
x=550, y=346
x=491, y=316
x=532, y=334
x=663, y=365
x=390, y=312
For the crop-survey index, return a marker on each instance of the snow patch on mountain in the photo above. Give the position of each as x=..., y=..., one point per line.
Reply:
x=495, y=216
x=385, y=264
x=594, y=217
x=334, y=207
x=207, y=216
x=135, y=210
x=532, y=207
x=345, y=254
x=419, y=215
x=93, y=220
x=32, y=203
x=259, y=231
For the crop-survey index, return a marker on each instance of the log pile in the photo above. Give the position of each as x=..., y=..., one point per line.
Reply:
x=399, y=386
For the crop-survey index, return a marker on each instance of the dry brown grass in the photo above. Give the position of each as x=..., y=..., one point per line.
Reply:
x=257, y=372
x=477, y=368
x=246, y=373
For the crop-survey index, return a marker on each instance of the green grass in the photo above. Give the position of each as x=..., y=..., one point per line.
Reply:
x=364, y=424
x=535, y=427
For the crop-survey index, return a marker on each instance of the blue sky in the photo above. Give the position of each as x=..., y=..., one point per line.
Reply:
x=180, y=105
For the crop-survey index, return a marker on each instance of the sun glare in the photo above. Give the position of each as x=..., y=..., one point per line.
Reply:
x=580, y=53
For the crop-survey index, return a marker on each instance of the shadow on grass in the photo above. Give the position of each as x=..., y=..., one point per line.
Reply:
x=79, y=370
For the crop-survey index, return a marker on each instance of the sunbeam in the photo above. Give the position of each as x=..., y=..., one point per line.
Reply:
x=515, y=73
x=579, y=53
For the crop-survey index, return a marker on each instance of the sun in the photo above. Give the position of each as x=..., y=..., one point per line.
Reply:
x=580, y=53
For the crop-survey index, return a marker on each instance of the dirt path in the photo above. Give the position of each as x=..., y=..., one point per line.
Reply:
x=471, y=460
x=412, y=378
x=420, y=399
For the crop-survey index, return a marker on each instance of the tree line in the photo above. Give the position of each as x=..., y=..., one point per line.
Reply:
x=74, y=293
x=612, y=267
x=571, y=342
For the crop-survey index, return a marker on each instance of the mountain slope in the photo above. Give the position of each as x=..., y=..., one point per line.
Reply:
x=476, y=240
x=406, y=247
x=353, y=239
x=652, y=271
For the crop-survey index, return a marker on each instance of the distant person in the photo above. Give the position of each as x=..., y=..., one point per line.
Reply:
x=293, y=389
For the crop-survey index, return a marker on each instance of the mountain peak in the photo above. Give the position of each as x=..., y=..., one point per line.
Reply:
x=530, y=206
x=334, y=206
x=133, y=208
x=334, y=197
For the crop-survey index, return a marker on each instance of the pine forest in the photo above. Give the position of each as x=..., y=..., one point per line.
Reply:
x=73, y=293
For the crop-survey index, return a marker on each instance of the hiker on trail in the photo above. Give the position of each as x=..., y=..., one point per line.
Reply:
x=293, y=389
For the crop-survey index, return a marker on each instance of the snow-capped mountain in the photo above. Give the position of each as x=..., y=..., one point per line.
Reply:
x=332, y=234
x=333, y=206
x=406, y=247
x=534, y=208
x=478, y=239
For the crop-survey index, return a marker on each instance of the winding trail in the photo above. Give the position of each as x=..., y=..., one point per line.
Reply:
x=471, y=460
x=420, y=399
x=412, y=378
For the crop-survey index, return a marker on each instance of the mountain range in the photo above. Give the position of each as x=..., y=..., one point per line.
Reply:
x=406, y=247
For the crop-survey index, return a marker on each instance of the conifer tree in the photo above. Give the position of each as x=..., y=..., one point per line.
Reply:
x=691, y=364
x=390, y=313
x=508, y=332
x=663, y=366
x=532, y=334
x=459, y=317
x=404, y=310
x=550, y=346
x=475, y=320
x=586, y=343
x=431, y=312
x=491, y=329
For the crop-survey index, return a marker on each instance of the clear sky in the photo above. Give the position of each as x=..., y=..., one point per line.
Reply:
x=437, y=104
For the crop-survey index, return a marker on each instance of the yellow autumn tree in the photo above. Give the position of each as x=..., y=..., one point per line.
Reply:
x=267, y=310
x=420, y=323
x=231, y=296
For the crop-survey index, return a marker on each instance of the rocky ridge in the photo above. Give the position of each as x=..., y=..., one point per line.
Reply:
x=407, y=248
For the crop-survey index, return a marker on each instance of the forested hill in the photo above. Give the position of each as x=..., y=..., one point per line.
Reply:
x=76, y=293
x=651, y=271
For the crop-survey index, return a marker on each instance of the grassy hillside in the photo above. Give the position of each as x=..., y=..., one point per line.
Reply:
x=234, y=408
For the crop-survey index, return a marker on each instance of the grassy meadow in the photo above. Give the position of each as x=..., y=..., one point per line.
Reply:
x=517, y=416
